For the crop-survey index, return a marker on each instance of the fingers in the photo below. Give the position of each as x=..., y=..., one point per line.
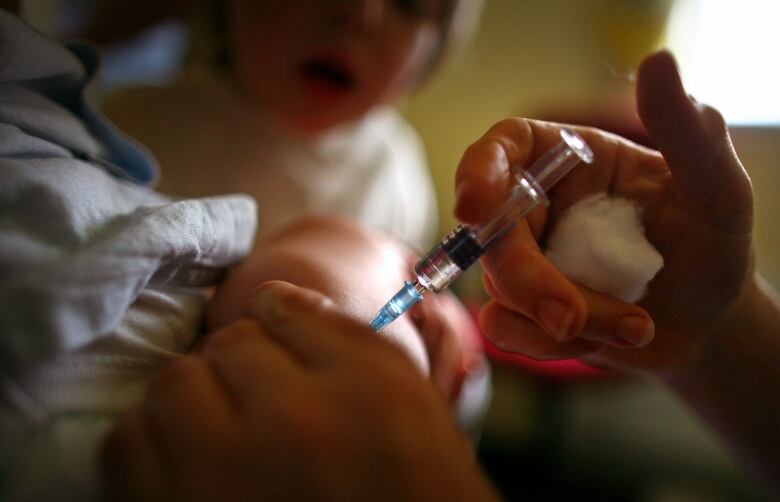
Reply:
x=483, y=174
x=131, y=467
x=518, y=276
x=443, y=345
x=514, y=332
x=608, y=325
x=310, y=326
x=523, y=280
x=615, y=322
x=241, y=354
x=608, y=320
x=187, y=387
x=486, y=170
x=708, y=176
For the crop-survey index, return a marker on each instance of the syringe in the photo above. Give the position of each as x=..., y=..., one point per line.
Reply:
x=465, y=244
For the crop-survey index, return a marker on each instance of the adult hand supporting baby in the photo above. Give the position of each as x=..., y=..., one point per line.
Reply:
x=707, y=324
x=301, y=403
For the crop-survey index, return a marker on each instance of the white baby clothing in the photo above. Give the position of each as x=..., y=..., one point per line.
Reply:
x=210, y=140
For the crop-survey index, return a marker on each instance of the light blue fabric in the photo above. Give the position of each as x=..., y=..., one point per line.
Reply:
x=80, y=235
x=96, y=270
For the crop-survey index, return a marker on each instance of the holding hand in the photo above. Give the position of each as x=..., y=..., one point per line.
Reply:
x=696, y=202
x=304, y=403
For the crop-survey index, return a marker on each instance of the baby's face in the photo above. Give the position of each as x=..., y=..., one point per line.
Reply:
x=313, y=64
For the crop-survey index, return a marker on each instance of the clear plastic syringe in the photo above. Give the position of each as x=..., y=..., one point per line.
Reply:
x=465, y=244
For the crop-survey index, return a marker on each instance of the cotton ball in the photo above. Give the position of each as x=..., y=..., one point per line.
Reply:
x=600, y=243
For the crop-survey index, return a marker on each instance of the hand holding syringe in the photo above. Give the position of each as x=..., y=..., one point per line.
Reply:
x=465, y=244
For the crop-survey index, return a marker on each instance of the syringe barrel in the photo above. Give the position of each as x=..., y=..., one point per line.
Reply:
x=524, y=196
x=533, y=184
x=465, y=244
x=449, y=258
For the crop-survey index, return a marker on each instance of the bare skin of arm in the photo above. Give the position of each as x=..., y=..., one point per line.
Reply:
x=356, y=268
x=359, y=270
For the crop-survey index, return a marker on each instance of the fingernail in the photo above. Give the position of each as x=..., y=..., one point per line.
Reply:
x=268, y=305
x=556, y=318
x=635, y=330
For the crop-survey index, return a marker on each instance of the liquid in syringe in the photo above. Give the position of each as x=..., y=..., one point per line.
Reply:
x=463, y=246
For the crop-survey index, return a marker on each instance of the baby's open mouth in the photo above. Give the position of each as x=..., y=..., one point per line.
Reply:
x=328, y=73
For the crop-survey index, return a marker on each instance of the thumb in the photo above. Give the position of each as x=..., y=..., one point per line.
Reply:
x=708, y=177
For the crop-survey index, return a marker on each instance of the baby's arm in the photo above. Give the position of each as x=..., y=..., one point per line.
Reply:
x=359, y=270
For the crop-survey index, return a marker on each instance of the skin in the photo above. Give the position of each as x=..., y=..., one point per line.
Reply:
x=210, y=421
x=359, y=270
x=275, y=412
x=698, y=215
x=708, y=325
x=386, y=46
x=290, y=379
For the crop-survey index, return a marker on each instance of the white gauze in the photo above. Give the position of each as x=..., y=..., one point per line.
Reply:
x=600, y=243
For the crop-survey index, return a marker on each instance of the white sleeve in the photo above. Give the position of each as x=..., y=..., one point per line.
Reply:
x=425, y=198
x=416, y=191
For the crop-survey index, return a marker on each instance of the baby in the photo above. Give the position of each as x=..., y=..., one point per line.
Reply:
x=290, y=102
x=103, y=278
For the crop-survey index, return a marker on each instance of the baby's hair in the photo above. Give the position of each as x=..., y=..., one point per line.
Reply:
x=210, y=44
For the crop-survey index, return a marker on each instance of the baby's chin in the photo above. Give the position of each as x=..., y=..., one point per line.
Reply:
x=313, y=120
x=312, y=126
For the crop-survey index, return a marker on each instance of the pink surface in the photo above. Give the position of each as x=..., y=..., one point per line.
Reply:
x=564, y=369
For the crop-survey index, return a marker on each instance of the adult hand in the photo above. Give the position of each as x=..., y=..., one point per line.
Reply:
x=303, y=403
x=450, y=335
x=696, y=202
